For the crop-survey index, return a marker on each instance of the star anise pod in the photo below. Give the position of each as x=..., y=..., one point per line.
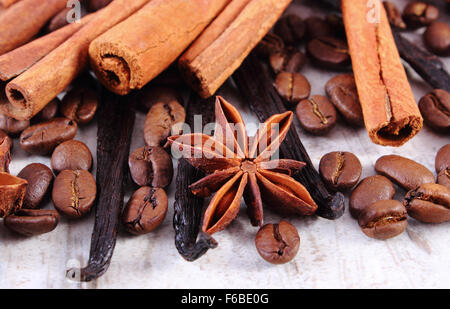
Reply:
x=239, y=167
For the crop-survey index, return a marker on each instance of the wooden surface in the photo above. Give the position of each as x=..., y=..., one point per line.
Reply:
x=333, y=254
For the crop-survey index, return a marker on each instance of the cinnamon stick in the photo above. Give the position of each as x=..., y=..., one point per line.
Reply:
x=222, y=47
x=7, y=3
x=32, y=90
x=161, y=31
x=21, y=22
x=390, y=112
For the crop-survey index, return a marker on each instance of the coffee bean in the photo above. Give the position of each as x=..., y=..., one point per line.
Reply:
x=32, y=222
x=340, y=170
x=80, y=103
x=444, y=177
x=342, y=92
x=370, y=190
x=39, y=178
x=317, y=27
x=145, y=210
x=12, y=193
x=74, y=193
x=289, y=60
x=383, y=219
x=151, y=166
x=437, y=38
x=291, y=29
x=394, y=15
x=269, y=45
x=71, y=155
x=161, y=119
x=44, y=137
x=292, y=87
x=277, y=243
x=328, y=52
x=48, y=113
x=151, y=95
x=442, y=160
x=429, y=203
x=316, y=115
x=11, y=126
x=435, y=110
x=418, y=14
x=405, y=172
x=5, y=152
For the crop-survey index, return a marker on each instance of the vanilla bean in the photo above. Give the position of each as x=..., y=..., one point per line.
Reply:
x=188, y=209
x=255, y=84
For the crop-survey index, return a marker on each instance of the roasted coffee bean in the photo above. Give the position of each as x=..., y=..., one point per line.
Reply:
x=289, y=60
x=5, y=152
x=435, y=110
x=342, y=92
x=317, y=27
x=292, y=87
x=383, y=219
x=277, y=243
x=394, y=15
x=32, y=222
x=437, y=38
x=418, y=14
x=429, y=203
x=337, y=24
x=328, y=52
x=316, y=115
x=80, y=103
x=405, y=172
x=151, y=166
x=340, y=170
x=48, y=113
x=39, y=178
x=71, y=155
x=145, y=210
x=12, y=193
x=161, y=120
x=444, y=177
x=151, y=95
x=291, y=28
x=269, y=45
x=11, y=126
x=44, y=137
x=370, y=190
x=74, y=193
x=442, y=160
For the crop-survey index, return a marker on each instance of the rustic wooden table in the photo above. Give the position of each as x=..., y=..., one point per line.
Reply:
x=333, y=254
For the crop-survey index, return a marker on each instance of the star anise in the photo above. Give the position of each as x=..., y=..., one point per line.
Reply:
x=239, y=167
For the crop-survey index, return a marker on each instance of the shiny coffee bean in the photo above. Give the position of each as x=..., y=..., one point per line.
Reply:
x=162, y=118
x=394, y=15
x=316, y=115
x=151, y=95
x=277, y=243
x=370, y=190
x=151, y=166
x=429, y=203
x=48, y=112
x=5, y=151
x=435, y=110
x=80, y=103
x=11, y=126
x=145, y=210
x=269, y=45
x=328, y=52
x=340, y=170
x=44, y=137
x=419, y=14
x=383, y=219
x=442, y=160
x=292, y=87
x=291, y=29
x=71, y=155
x=437, y=38
x=444, y=177
x=342, y=92
x=403, y=171
x=317, y=27
x=32, y=222
x=74, y=193
x=289, y=60
x=40, y=179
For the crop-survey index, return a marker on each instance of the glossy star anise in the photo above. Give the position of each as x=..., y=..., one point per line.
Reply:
x=238, y=167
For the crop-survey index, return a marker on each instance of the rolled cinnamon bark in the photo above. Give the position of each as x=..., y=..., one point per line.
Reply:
x=32, y=90
x=20, y=22
x=7, y=3
x=221, y=49
x=134, y=52
x=20, y=59
x=390, y=112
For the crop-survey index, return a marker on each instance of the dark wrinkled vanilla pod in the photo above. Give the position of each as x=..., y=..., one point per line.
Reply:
x=116, y=118
x=188, y=208
x=255, y=84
